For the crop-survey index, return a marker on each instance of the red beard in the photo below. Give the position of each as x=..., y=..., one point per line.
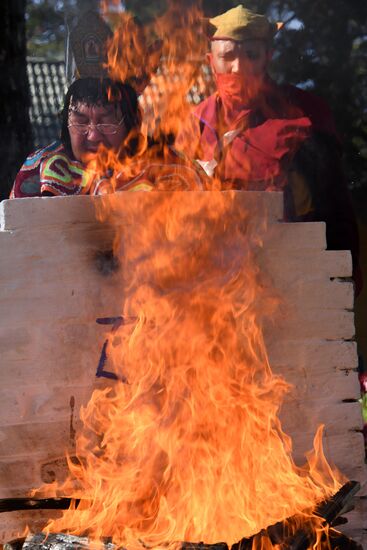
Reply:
x=237, y=94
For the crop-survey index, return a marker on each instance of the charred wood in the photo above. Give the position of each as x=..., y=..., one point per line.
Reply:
x=15, y=504
x=297, y=532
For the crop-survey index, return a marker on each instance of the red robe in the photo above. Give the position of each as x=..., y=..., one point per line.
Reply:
x=285, y=140
x=269, y=133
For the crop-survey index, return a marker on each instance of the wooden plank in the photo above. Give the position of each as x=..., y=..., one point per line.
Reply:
x=332, y=294
x=64, y=353
x=25, y=473
x=311, y=353
x=304, y=324
x=52, y=211
x=32, y=402
x=288, y=269
x=59, y=211
x=83, y=262
x=305, y=416
x=66, y=308
x=18, y=474
x=12, y=524
x=344, y=450
x=21, y=439
x=295, y=236
x=309, y=385
x=356, y=528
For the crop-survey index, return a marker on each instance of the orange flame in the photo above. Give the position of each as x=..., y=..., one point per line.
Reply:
x=168, y=55
x=187, y=446
x=163, y=57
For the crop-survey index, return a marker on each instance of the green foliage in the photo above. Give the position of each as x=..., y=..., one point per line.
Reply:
x=327, y=52
x=45, y=29
x=15, y=128
x=146, y=11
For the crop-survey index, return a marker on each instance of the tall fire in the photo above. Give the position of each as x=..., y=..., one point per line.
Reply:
x=186, y=445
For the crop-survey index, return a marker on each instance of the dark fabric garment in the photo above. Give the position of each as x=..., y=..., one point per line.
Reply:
x=270, y=131
x=319, y=161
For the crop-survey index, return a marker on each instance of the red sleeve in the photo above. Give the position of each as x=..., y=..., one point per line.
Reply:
x=26, y=184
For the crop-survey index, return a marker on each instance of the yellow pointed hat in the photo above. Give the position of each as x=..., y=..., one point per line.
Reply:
x=240, y=24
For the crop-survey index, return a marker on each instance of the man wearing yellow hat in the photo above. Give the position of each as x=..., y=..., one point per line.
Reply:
x=257, y=135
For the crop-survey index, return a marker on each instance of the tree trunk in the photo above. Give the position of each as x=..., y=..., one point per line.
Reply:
x=15, y=127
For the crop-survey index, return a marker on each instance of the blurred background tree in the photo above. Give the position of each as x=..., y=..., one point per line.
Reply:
x=45, y=29
x=324, y=49
x=15, y=128
x=46, y=25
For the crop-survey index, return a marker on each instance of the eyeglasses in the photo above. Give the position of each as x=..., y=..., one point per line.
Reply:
x=105, y=129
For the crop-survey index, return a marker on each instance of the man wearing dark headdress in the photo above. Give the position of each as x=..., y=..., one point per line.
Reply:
x=254, y=134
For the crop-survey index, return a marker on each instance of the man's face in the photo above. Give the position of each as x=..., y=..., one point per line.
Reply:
x=85, y=131
x=249, y=58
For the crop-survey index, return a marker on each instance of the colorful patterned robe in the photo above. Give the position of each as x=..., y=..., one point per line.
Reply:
x=51, y=172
